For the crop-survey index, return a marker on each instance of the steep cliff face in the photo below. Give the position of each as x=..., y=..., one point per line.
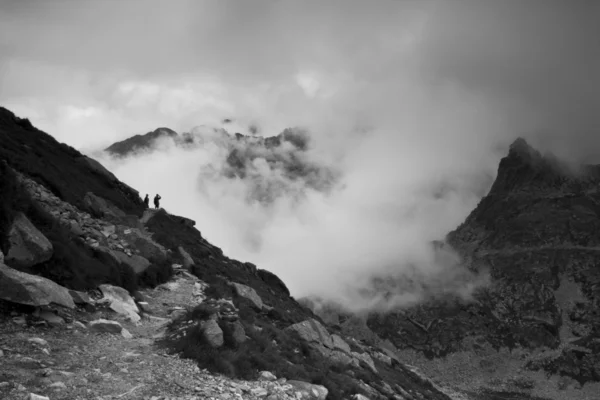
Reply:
x=538, y=233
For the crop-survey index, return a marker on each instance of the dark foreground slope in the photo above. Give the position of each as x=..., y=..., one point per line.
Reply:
x=538, y=233
x=59, y=167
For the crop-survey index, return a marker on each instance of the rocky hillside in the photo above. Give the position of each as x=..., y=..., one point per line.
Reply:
x=90, y=281
x=536, y=328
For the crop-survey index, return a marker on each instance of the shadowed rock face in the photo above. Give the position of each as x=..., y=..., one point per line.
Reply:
x=538, y=234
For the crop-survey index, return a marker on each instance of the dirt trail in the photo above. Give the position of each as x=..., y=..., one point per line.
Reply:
x=76, y=364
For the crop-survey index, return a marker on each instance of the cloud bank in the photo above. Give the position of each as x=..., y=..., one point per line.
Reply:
x=414, y=102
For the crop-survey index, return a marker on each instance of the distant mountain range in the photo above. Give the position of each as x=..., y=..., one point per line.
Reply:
x=286, y=155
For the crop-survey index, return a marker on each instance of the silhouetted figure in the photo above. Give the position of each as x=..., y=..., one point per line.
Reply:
x=147, y=201
x=157, y=200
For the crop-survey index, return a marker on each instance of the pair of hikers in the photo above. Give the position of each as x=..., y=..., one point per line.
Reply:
x=156, y=201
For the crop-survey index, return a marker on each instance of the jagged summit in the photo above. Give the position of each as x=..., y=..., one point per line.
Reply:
x=525, y=169
x=139, y=142
x=285, y=154
x=537, y=234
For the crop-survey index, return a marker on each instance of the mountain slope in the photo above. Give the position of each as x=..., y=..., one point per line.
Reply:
x=537, y=232
x=62, y=169
x=67, y=223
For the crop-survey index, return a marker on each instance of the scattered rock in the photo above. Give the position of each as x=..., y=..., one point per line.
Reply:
x=51, y=318
x=266, y=376
x=80, y=297
x=76, y=228
x=79, y=325
x=138, y=263
x=20, y=287
x=308, y=390
x=105, y=326
x=212, y=332
x=125, y=333
x=121, y=302
x=40, y=341
x=248, y=293
x=259, y=392
x=27, y=245
x=235, y=331
x=58, y=386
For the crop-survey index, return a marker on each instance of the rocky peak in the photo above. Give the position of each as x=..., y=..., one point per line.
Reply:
x=139, y=142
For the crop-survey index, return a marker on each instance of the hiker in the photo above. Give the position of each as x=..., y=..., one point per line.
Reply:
x=147, y=201
x=156, y=200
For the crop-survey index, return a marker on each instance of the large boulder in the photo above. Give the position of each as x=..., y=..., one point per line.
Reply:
x=20, y=287
x=120, y=301
x=312, y=331
x=212, y=333
x=138, y=263
x=332, y=347
x=248, y=293
x=308, y=391
x=27, y=245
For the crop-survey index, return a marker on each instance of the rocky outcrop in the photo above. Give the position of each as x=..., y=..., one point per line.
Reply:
x=120, y=301
x=27, y=245
x=212, y=332
x=332, y=347
x=137, y=263
x=22, y=288
x=248, y=293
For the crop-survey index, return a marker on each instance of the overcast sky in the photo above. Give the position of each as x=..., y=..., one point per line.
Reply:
x=437, y=88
